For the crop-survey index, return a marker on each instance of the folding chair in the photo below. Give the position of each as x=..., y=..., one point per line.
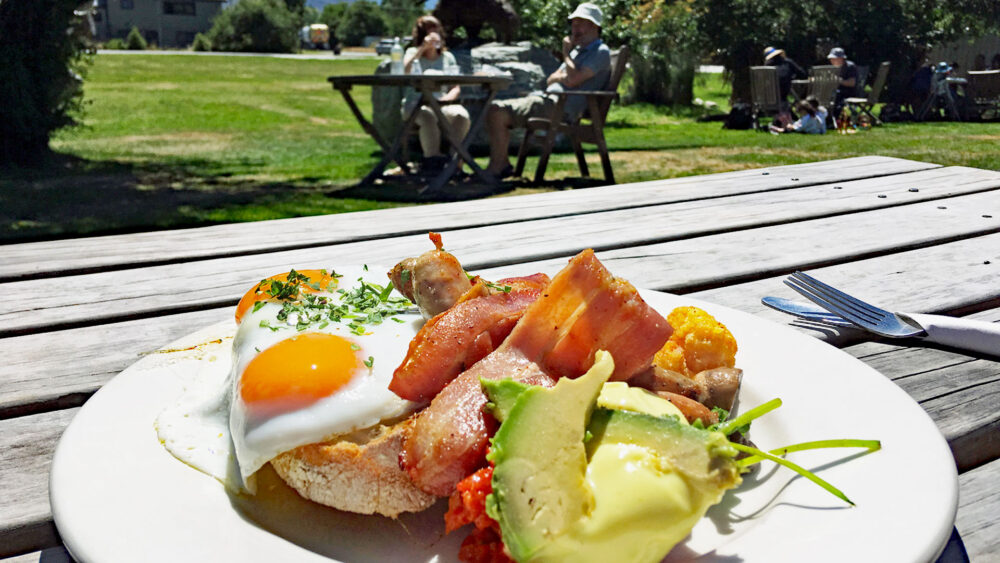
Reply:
x=865, y=105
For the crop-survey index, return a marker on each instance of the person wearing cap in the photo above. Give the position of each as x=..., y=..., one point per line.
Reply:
x=788, y=70
x=586, y=65
x=848, y=86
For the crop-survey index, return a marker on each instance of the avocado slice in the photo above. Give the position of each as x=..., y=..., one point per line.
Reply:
x=503, y=393
x=539, y=458
x=560, y=487
x=704, y=458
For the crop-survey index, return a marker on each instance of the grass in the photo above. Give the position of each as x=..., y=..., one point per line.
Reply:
x=172, y=141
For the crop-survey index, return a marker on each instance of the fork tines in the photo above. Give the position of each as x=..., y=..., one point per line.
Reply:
x=832, y=299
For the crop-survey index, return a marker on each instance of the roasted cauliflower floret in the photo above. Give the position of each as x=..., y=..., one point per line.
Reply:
x=699, y=342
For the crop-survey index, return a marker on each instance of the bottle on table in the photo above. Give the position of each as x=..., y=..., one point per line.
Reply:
x=396, y=58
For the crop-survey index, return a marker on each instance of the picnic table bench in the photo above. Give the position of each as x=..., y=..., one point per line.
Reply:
x=911, y=235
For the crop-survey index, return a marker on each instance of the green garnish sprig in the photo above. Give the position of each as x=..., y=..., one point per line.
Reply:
x=741, y=424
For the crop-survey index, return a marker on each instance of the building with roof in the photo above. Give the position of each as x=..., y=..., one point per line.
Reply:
x=166, y=23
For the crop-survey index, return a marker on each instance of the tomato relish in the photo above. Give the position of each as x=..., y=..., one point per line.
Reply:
x=467, y=505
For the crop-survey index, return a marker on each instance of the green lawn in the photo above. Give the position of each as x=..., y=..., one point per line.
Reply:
x=171, y=141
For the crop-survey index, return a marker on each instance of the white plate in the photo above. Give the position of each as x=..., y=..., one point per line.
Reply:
x=117, y=495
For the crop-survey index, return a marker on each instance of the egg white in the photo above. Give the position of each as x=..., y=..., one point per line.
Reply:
x=211, y=428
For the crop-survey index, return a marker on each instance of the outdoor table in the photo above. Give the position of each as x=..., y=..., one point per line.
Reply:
x=427, y=85
x=909, y=235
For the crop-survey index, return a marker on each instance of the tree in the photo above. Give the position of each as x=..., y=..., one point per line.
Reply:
x=265, y=26
x=899, y=31
x=361, y=19
x=332, y=14
x=134, y=41
x=400, y=15
x=44, y=49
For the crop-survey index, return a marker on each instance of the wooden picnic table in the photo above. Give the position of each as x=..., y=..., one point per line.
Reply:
x=427, y=85
x=911, y=235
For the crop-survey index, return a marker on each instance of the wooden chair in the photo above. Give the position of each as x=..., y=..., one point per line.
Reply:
x=765, y=93
x=587, y=129
x=823, y=83
x=984, y=93
x=865, y=105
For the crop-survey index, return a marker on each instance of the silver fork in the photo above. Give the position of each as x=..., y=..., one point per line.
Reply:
x=865, y=315
x=967, y=334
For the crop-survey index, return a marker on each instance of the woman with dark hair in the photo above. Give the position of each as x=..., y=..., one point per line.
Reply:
x=428, y=55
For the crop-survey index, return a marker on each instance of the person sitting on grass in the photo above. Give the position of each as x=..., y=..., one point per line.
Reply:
x=812, y=122
x=429, y=55
x=586, y=66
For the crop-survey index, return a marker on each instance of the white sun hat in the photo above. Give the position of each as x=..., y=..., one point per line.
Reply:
x=588, y=11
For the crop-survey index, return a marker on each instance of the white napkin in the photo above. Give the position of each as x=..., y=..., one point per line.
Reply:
x=966, y=334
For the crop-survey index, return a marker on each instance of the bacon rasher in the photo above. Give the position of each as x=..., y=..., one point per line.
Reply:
x=452, y=341
x=583, y=310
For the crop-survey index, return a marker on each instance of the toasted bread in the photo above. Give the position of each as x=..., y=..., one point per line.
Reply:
x=357, y=474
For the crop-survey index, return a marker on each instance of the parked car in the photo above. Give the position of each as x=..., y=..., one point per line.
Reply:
x=384, y=46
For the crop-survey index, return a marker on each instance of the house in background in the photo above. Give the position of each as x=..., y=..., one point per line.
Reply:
x=167, y=23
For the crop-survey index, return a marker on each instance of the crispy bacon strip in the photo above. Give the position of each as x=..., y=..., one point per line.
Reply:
x=454, y=340
x=583, y=310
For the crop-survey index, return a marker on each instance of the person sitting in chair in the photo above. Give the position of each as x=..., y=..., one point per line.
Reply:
x=848, y=86
x=429, y=55
x=586, y=66
x=788, y=70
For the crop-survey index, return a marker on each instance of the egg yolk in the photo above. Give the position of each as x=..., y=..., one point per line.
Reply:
x=260, y=291
x=300, y=370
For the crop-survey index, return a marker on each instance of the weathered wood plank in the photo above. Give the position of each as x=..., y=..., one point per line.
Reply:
x=931, y=279
x=98, y=253
x=978, y=507
x=26, y=448
x=102, y=297
x=62, y=369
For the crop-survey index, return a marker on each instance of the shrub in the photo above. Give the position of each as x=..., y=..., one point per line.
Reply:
x=201, y=43
x=263, y=26
x=45, y=48
x=116, y=43
x=134, y=41
x=362, y=18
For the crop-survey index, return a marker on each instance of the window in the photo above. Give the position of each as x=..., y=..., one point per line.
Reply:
x=178, y=8
x=127, y=4
x=184, y=38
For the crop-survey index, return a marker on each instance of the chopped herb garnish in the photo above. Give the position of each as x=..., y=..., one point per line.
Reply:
x=503, y=288
x=355, y=347
x=370, y=362
x=258, y=305
x=365, y=304
x=404, y=276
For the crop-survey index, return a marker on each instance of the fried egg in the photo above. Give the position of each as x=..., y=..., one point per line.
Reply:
x=312, y=359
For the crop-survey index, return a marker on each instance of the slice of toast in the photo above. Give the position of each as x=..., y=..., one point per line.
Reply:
x=360, y=474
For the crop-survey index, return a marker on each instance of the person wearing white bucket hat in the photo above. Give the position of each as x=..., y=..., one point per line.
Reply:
x=586, y=65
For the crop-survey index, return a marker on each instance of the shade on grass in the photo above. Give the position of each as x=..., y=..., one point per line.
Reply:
x=184, y=140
